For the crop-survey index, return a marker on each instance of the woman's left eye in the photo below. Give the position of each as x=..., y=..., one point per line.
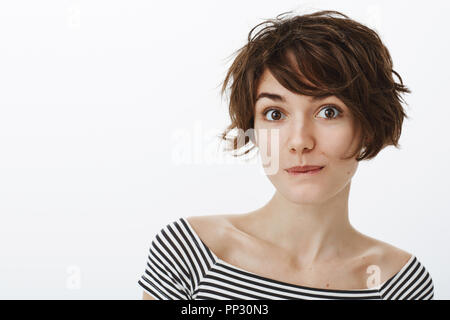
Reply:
x=330, y=115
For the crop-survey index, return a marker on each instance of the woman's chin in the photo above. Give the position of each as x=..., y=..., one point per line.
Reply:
x=304, y=198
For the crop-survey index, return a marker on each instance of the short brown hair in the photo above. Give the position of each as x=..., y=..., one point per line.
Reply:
x=339, y=56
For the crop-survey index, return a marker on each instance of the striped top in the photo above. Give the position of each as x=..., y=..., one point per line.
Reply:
x=181, y=267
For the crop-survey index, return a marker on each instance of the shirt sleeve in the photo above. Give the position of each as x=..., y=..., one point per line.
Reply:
x=414, y=283
x=166, y=275
x=423, y=287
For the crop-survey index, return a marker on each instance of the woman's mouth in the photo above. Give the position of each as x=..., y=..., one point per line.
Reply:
x=304, y=171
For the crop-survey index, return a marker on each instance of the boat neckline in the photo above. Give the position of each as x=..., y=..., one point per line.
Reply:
x=241, y=270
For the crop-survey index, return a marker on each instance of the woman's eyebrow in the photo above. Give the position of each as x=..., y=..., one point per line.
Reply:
x=277, y=97
x=271, y=96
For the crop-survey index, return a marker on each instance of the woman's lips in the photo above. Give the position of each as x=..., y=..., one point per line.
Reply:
x=296, y=172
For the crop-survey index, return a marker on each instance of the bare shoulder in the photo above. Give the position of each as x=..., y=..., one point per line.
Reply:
x=387, y=259
x=213, y=230
x=207, y=223
x=393, y=260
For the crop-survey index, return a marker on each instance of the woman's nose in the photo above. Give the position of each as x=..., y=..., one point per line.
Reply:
x=300, y=137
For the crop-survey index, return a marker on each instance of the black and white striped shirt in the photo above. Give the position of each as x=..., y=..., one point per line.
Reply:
x=181, y=267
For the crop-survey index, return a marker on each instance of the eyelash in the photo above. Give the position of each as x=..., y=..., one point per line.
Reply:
x=330, y=106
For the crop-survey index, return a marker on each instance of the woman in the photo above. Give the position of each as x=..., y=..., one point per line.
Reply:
x=315, y=95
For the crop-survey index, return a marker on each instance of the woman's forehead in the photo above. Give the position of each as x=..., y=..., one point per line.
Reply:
x=271, y=89
x=268, y=80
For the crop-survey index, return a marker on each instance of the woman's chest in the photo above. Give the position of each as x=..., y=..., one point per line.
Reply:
x=274, y=264
x=242, y=254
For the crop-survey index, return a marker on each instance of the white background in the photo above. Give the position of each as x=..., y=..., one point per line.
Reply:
x=91, y=93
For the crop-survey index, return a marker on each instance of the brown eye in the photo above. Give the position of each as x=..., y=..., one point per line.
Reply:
x=331, y=112
x=274, y=114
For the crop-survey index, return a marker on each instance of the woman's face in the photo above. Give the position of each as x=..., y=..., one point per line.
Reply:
x=310, y=132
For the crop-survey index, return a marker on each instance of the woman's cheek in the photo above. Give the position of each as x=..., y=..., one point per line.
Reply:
x=268, y=140
x=337, y=144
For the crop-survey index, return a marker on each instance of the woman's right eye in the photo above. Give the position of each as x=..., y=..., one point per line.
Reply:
x=273, y=113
